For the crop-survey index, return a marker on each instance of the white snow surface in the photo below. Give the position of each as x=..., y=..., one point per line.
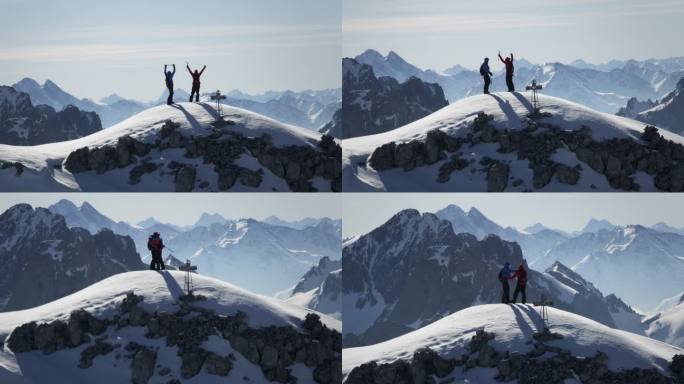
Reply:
x=194, y=119
x=161, y=291
x=509, y=111
x=513, y=326
x=669, y=326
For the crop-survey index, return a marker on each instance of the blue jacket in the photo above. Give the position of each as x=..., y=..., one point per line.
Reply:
x=484, y=70
x=505, y=272
x=169, y=76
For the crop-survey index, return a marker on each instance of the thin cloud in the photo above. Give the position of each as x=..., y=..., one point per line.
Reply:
x=444, y=23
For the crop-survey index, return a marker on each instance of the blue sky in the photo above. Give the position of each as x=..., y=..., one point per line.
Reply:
x=440, y=33
x=566, y=211
x=95, y=48
x=185, y=208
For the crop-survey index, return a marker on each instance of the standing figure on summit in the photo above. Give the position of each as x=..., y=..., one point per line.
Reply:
x=504, y=276
x=169, y=82
x=487, y=74
x=521, y=274
x=155, y=244
x=508, y=62
x=195, y=81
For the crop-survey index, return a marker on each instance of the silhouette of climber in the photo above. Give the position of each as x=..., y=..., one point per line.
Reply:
x=195, y=81
x=508, y=62
x=155, y=244
x=169, y=82
x=504, y=275
x=487, y=74
x=521, y=274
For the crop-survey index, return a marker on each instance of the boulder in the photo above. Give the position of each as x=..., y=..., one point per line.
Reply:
x=142, y=365
x=185, y=179
x=497, y=177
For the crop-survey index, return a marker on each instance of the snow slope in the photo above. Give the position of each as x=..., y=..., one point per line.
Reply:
x=509, y=111
x=668, y=325
x=513, y=326
x=161, y=292
x=42, y=162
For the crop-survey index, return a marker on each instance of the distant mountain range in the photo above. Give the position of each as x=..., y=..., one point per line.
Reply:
x=605, y=87
x=265, y=258
x=309, y=109
x=417, y=268
x=609, y=256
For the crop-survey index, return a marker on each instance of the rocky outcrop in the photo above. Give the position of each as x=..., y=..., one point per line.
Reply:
x=42, y=259
x=274, y=349
x=297, y=165
x=22, y=123
x=617, y=160
x=373, y=105
x=667, y=113
x=543, y=364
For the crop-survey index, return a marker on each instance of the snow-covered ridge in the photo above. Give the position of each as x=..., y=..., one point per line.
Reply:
x=513, y=326
x=508, y=111
x=161, y=291
x=183, y=347
x=44, y=165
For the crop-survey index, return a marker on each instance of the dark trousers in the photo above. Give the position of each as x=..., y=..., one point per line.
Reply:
x=519, y=289
x=509, y=83
x=157, y=262
x=195, y=91
x=169, y=100
x=506, y=291
x=487, y=81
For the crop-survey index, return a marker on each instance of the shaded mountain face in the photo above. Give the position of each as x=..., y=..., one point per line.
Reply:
x=315, y=276
x=320, y=288
x=373, y=105
x=667, y=113
x=601, y=87
x=22, y=123
x=41, y=259
x=414, y=270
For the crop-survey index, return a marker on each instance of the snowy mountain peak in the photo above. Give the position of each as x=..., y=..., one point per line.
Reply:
x=594, y=225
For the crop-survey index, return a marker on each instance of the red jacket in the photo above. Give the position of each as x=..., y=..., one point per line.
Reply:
x=521, y=274
x=195, y=76
x=509, y=64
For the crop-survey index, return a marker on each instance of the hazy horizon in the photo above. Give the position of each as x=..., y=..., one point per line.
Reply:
x=94, y=49
x=437, y=34
x=185, y=209
x=568, y=212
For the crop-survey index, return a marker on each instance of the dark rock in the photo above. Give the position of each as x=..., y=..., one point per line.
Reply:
x=100, y=348
x=142, y=365
x=497, y=177
x=218, y=365
x=185, y=179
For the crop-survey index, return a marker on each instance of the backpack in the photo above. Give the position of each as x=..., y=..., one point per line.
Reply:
x=482, y=70
x=155, y=244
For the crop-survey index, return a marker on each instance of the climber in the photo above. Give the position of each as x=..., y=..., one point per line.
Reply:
x=155, y=244
x=169, y=82
x=504, y=275
x=195, y=81
x=508, y=62
x=521, y=274
x=487, y=74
